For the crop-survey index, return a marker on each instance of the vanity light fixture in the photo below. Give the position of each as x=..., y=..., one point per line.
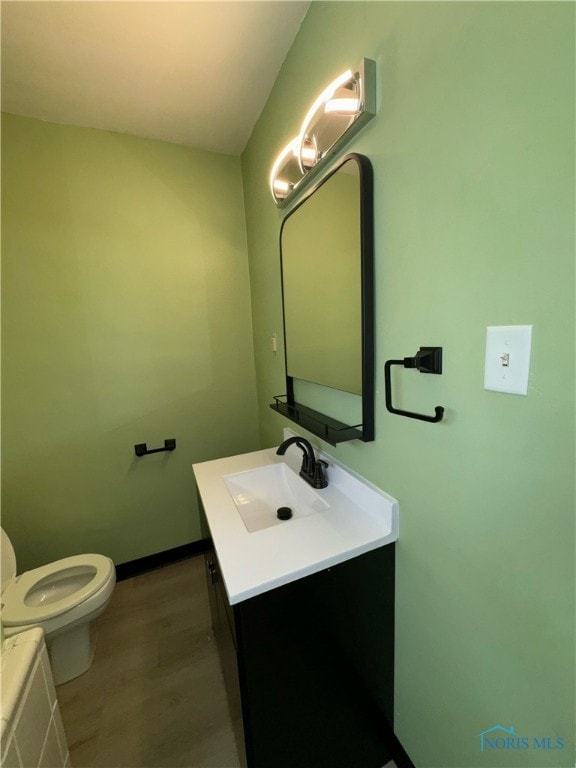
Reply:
x=339, y=112
x=318, y=107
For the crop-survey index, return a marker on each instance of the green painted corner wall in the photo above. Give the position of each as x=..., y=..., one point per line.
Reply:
x=473, y=156
x=126, y=319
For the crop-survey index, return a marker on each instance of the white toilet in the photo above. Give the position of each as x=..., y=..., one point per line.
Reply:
x=63, y=598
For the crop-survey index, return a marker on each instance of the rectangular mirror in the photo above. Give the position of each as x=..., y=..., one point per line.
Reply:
x=326, y=245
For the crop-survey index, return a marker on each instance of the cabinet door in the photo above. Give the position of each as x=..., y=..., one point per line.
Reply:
x=315, y=660
x=224, y=632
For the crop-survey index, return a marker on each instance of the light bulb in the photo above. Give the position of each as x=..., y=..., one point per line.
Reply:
x=342, y=106
x=308, y=153
x=281, y=186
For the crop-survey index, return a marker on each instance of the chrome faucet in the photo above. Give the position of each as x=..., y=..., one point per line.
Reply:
x=312, y=469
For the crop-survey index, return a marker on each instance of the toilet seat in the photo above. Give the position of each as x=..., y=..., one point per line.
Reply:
x=15, y=612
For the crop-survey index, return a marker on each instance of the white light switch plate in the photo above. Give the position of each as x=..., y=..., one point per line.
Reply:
x=508, y=358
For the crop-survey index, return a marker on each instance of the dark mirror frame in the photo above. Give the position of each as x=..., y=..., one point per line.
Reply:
x=320, y=424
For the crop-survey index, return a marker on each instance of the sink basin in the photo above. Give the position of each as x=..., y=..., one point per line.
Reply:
x=258, y=494
x=257, y=552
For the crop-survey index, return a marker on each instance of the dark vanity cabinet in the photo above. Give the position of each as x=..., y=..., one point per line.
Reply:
x=309, y=665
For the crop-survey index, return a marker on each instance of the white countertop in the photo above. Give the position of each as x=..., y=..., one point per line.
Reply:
x=253, y=563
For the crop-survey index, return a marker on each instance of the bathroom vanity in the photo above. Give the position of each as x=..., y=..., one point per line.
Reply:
x=303, y=612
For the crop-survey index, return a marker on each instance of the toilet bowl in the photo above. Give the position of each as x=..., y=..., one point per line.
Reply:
x=63, y=598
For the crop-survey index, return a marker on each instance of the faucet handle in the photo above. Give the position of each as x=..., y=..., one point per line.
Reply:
x=320, y=480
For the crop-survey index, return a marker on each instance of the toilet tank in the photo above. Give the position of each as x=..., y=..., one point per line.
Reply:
x=7, y=561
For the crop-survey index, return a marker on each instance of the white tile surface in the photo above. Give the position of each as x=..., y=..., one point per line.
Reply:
x=253, y=563
x=48, y=679
x=19, y=654
x=51, y=755
x=60, y=733
x=10, y=758
x=5, y=732
x=33, y=719
x=32, y=731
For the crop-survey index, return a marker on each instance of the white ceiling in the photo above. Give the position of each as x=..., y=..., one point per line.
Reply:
x=195, y=73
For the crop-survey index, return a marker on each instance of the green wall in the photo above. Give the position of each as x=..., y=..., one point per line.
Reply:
x=473, y=156
x=126, y=319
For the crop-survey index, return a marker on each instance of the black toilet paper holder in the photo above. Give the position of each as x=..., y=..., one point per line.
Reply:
x=142, y=450
x=426, y=360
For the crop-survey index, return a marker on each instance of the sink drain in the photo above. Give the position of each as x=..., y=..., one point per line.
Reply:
x=283, y=513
